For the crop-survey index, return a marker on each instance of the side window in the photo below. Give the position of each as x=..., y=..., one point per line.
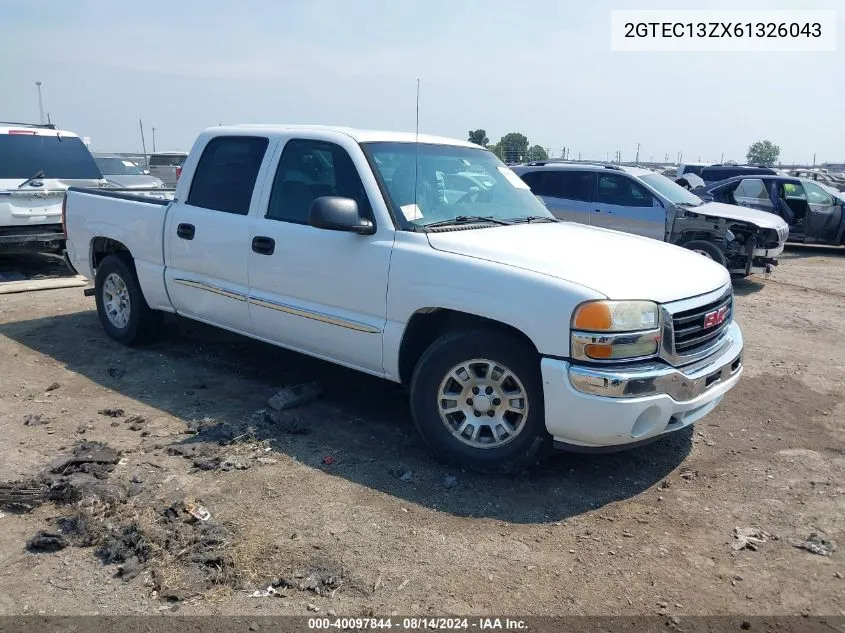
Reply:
x=537, y=181
x=817, y=195
x=226, y=173
x=793, y=191
x=622, y=191
x=309, y=170
x=571, y=185
x=751, y=188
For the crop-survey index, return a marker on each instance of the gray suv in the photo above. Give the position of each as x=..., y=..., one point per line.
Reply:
x=640, y=201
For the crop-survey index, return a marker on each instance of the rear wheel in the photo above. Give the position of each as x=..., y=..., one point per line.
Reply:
x=477, y=400
x=121, y=306
x=708, y=250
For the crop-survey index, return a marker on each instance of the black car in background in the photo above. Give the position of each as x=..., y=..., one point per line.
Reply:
x=715, y=173
x=814, y=215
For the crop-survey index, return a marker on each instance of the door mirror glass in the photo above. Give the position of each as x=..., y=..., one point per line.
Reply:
x=338, y=214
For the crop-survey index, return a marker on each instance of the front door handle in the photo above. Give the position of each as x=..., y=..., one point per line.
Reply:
x=263, y=245
x=186, y=231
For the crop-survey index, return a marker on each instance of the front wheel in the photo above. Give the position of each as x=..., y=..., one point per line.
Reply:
x=477, y=400
x=708, y=250
x=121, y=306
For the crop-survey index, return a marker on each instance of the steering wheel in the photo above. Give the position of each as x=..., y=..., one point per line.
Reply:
x=475, y=194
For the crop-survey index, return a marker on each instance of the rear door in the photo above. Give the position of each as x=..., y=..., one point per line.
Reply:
x=568, y=194
x=207, y=235
x=752, y=193
x=623, y=204
x=825, y=214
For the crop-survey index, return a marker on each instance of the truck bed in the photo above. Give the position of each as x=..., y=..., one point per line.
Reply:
x=136, y=221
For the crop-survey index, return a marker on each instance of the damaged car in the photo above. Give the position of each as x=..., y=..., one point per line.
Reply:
x=639, y=201
x=814, y=214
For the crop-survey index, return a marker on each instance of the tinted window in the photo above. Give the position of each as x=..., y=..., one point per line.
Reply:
x=118, y=167
x=537, y=181
x=693, y=169
x=715, y=174
x=751, y=188
x=225, y=176
x=309, y=170
x=167, y=160
x=817, y=195
x=24, y=155
x=621, y=190
x=571, y=185
x=793, y=191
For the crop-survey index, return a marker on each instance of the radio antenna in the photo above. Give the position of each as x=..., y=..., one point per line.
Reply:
x=417, y=152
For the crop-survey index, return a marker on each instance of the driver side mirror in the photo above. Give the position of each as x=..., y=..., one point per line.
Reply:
x=338, y=214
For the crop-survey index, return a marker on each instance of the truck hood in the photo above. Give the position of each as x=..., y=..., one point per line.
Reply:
x=616, y=265
x=759, y=218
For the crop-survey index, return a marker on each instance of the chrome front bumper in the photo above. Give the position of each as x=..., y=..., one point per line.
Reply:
x=681, y=384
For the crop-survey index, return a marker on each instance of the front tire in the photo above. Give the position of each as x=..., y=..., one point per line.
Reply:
x=123, y=311
x=477, y=401
x=708, y=250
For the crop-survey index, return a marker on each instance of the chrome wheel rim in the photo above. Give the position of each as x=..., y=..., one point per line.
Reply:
x=700, y=252
x=482, y=403
x=116, y=300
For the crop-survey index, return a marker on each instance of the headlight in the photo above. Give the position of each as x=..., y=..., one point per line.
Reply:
x=614, y=330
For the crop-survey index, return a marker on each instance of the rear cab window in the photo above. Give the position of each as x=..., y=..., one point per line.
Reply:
x=225, y=176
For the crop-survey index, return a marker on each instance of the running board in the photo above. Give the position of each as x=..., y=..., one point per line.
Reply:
x=88, y=292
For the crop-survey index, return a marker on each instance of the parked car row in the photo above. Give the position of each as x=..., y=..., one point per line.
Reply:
x=645, y=203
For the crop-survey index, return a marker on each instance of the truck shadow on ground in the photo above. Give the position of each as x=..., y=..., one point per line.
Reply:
x=362, y=423
x=33, y=266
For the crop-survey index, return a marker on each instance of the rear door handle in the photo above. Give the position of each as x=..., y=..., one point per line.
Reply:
x=263, y=245
x=186, y=231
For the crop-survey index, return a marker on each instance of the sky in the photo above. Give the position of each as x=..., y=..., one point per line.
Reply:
x=543, y=68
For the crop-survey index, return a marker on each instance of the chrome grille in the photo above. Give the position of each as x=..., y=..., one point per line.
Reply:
x=685, y=338
x=689, y=332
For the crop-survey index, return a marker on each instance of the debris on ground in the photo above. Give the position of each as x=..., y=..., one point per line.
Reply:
x=24, y=495
x=111, y=412
x=268, y=592
x=89, y=457
x=197, y=511
x=292, y=425
x=35, y=419
x=817, y=544
x=407, y=476
x=192, y=427
x=223, y=446
x=136, y=422
x=749, y=538
x=45, y=542
x=116, y=372
x=450, y=481
x=328, y=460
x=295, y=396
x=52, y=387
x=689, y=475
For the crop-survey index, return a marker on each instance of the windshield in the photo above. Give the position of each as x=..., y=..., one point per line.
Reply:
x=670, y=190
x=450, y=182
x=23, y=155
x=118, y=167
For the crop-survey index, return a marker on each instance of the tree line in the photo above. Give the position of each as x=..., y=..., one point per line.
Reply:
x=513, y=147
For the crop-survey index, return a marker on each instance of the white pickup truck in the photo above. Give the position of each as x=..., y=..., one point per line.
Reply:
x=424, y=261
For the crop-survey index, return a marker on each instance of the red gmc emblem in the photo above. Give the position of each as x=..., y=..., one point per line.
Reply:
x=712, y=319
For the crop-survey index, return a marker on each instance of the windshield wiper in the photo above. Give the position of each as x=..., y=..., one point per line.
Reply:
x=35, y=176
x=468, y=219
x=534, y=218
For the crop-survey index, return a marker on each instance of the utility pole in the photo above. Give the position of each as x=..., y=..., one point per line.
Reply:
x=143, y=143
x=579, y=156
x=40, y=104
x=722, y=159
x=154, y=140
x=814, y=160
x=637, y=159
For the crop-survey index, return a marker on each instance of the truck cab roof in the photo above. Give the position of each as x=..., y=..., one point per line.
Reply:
x=360, y=136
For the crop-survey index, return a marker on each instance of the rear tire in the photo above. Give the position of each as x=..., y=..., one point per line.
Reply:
x=708, y=250
x=488, y=383
x=123, y=311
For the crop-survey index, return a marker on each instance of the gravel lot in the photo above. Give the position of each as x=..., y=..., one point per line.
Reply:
x=340, y=505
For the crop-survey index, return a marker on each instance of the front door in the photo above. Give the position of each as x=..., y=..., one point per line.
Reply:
x=825, y=214
x=314, y=290
x=207, y=236
x=623, y=204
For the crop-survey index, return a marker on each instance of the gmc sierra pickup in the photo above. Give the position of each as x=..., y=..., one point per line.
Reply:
x=424, y=261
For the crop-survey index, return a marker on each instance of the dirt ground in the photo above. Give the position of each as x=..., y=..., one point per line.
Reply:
x=381, y=527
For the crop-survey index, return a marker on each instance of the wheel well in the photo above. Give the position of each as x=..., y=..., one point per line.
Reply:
x=692, y=236
x=103, y=246
x=426, y=325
